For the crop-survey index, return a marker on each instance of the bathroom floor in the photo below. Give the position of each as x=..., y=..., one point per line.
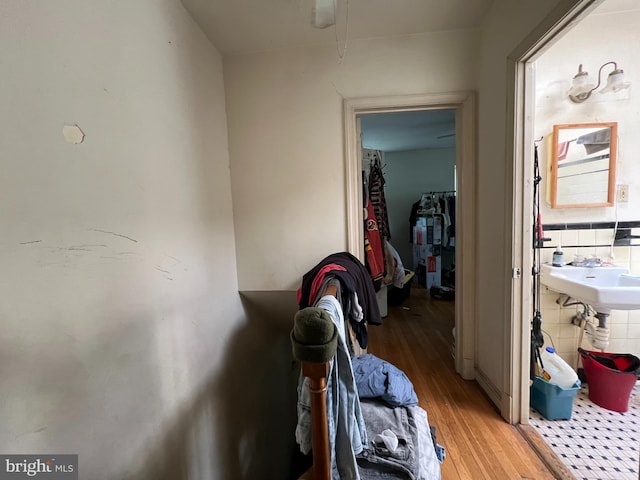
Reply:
x=596, y=443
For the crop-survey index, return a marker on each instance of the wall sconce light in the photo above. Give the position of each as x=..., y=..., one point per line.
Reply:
x=582, y=87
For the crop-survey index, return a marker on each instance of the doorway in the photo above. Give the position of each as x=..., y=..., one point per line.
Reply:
x=521, y=107
x=417, y=153
x=553, y=61
x=465, y=133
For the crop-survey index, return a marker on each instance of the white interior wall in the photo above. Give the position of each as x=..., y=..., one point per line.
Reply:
x=407, y=175
x=619, y=38
x=285, y=115
x=504, y=27
x=119, y=290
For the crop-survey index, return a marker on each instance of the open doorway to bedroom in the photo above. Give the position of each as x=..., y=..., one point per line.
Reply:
x=409, y=193
x=462, y=108
x=415, y=153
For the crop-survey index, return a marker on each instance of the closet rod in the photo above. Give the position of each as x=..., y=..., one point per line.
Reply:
x=434, y=193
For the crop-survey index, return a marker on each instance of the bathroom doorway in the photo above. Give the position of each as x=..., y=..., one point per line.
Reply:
x=544, y=76
x=521, y=105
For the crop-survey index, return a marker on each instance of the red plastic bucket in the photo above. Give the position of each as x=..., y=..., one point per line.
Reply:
x=611, y=377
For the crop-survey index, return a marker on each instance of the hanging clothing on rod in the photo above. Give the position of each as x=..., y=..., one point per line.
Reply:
x=376, y=223
x=431, y=203
x=433, y=239
x=376, y=194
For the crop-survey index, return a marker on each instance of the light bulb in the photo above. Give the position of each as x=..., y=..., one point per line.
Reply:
x=581, y=86
x=615, y=82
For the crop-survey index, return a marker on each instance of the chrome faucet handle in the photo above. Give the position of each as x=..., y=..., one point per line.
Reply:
x=579, y=260
x=593, y=261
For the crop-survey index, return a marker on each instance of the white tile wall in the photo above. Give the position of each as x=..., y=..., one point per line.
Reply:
x=551, y=316
x=619, y=317
x=587, y=238
x=604, y=236
x=634, y=316
x=622, y=255
x=633, y=332
x=568, y=330
x=618, y=331
x=569, y=237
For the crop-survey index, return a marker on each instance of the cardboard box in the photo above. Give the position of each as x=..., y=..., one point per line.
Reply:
x=434, y=230
x=419, y=243
x=427, y=250
x=396, y=296
x=434, y=270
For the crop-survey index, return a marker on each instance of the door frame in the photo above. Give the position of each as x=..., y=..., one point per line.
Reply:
x=464, y=104
x=519, y=178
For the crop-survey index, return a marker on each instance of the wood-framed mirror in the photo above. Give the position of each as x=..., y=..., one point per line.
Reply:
x=583, y=165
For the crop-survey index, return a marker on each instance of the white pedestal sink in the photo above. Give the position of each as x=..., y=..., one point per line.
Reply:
x=604, y=288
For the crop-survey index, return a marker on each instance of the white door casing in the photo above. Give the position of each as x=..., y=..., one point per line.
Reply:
x=519, y=188
x=464, y=104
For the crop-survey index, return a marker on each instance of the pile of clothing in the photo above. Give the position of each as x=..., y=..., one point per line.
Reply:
x=357, y=294
x=375, y=425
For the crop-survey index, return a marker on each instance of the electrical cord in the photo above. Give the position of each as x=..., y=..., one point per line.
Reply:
x=550, y=338
x=346, y=28
x=537, y=339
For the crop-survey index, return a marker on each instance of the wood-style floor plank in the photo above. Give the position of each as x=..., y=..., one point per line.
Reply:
x=417, y=338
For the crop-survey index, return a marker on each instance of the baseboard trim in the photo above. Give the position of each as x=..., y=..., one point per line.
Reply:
x=468, y=370
x=558, y=469
x=491, y=390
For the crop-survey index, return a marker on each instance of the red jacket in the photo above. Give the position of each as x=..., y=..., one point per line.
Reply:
x=373, y=245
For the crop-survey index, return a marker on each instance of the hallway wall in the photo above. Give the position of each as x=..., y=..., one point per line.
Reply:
x=285, y=113
x=504, y=27
x=619, y=39
x=119, y=291
x=408, y=174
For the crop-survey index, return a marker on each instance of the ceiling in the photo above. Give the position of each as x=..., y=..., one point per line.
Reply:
x=616, y=6
x=392, y=132
x=238, y=27
x=243, y=26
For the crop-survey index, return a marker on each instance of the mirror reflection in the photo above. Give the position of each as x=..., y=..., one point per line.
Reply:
x=583, y=165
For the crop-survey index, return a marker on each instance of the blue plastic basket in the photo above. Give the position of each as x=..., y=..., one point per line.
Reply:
x=551, y=400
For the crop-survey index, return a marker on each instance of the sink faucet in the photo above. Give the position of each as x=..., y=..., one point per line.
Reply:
x=593, y=261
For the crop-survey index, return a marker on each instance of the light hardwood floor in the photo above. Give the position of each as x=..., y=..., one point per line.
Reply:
x=479, y=444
